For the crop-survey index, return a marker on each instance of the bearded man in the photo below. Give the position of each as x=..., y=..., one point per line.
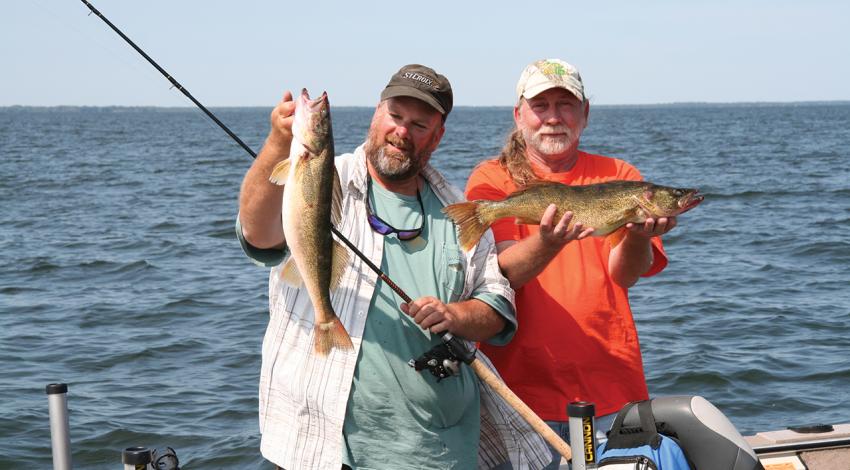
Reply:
x=577, y=339
x=367, y=408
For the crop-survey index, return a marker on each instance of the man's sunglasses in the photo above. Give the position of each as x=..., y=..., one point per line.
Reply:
x=381, y=226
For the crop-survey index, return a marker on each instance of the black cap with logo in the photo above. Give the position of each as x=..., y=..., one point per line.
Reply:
x=423, y=83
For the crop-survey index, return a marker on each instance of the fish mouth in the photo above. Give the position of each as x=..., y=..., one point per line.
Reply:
x=315, y=104
x=691, y=200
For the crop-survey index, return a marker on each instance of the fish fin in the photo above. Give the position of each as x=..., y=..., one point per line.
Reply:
x=537, y=182
x=526, y=221
x=340, y=262
x=280, y=173
x=615, y=237
x=467, y=218
x=331, y=335
x=336, y=200
x=290, y=275
x=650, y=209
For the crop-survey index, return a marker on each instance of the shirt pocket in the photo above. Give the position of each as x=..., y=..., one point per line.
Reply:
x=452, y=271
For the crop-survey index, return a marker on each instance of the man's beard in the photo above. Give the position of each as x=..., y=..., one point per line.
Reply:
x=391, y=164
x=548, y=144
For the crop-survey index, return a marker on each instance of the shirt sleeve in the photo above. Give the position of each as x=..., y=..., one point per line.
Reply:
x=266, y=257
x=504, y=308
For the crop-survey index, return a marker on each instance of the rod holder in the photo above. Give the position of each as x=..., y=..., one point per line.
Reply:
x=60, y=437
x=583, y=434
x=136, y=458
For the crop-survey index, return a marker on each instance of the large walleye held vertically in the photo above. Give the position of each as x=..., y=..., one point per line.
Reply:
x=311, y=205
x=606, y=207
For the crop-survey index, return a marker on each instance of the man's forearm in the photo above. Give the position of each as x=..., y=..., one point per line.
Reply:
x=260, y=199
x=477, y=321
x=630, y=259
x=522, y=261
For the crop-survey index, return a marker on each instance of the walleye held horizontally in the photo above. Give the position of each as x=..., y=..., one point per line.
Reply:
x=606, y=207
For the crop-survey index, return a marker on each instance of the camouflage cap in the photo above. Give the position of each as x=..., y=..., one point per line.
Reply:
x=543, y=75
x=423, y=83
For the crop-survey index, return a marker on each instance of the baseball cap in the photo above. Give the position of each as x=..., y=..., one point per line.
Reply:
x=423, y=83
x=543, y=75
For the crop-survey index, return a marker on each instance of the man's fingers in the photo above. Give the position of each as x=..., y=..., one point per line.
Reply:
x=561, y=228
x=439, y=327
x=548, y=218
x=671, y=222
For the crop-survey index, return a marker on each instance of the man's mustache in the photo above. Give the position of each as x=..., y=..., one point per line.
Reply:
x=399, y=143
x=552, y=130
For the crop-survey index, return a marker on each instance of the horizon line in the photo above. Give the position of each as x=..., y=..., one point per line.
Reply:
x=670, y=103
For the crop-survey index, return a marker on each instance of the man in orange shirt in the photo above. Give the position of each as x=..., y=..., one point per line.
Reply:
x=576, y=338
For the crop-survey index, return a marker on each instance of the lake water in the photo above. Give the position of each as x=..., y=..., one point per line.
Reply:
x=120, y=273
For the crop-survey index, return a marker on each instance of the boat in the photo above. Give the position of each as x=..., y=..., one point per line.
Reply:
x=809, y=447
x=711, y=442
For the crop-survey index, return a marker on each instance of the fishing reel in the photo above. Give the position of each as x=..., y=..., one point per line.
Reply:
x=443, y=360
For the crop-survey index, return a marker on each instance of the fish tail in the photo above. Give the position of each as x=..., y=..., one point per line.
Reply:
x=468, y=218
x=331, y=335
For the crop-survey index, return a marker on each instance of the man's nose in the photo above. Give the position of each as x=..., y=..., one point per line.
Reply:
x=554, y=117
x=401, y=131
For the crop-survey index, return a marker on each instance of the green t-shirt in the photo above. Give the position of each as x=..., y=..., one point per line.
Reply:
x=434, y=425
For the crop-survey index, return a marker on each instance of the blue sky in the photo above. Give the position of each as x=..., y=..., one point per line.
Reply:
x=246, y=53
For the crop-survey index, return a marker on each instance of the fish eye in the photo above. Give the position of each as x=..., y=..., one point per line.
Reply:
x=678, y=192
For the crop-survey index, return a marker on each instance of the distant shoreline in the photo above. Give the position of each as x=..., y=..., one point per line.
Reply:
x=654, y=105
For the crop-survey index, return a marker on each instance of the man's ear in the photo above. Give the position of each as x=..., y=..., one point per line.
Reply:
x=586, y=112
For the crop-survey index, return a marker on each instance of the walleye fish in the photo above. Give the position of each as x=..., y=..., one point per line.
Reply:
x=605, y=206
x=311, y=204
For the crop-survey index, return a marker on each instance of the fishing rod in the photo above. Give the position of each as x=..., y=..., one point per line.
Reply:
x=171, y=79
x=212, y=116
x=440, y=359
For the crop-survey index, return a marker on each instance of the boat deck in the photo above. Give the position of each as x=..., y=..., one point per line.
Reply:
x=790, y=450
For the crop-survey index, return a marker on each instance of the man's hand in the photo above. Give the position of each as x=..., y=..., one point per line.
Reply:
x=471, y=319
x=652, y=227
x=560, y=234
x=430, y=314
x=280, y=134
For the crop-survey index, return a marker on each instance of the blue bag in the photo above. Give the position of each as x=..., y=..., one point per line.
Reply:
x=642, y=448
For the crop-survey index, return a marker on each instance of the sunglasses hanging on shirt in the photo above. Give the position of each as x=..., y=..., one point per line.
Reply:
x=381, y=226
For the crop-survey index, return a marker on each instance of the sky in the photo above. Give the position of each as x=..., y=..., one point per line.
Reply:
x=247, y=53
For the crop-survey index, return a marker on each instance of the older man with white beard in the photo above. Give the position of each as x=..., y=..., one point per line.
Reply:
x=367, y=408
x=576, y=338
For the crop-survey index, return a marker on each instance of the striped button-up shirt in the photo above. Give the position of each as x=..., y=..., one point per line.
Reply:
x=303, y=396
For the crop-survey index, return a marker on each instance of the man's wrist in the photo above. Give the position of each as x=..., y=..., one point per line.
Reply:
x=278, y=143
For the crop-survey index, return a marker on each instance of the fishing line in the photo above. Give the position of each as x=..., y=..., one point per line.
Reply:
x=455, y=346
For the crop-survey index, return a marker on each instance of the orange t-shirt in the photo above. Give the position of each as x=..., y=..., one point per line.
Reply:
x=576, y=338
